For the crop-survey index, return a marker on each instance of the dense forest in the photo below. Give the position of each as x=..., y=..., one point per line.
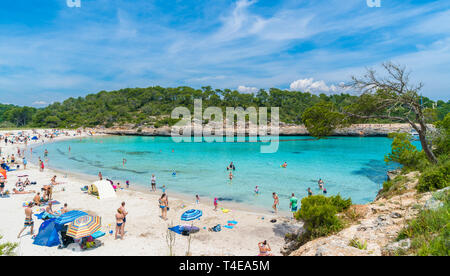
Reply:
x=150, y=106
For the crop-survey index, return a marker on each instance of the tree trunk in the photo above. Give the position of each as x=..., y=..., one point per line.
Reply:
x=429, y=153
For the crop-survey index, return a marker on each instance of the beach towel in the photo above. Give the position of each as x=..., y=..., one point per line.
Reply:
x=98, y=234
x=4, y=196
x=44, y=215
x=229, y=226
x=177, y=229
x=54, y=202
x=233, y=222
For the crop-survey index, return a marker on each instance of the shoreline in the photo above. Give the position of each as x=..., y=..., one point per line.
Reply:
x=141, y=187
x=145, y=230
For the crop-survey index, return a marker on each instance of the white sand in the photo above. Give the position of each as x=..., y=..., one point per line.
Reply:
x=145, y=230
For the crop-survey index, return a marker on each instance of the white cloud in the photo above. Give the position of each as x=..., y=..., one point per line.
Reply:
x=40, y=103
x=245, y=89
x=309, y=85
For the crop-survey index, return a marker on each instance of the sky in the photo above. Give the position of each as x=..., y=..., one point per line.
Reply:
x=50, y=51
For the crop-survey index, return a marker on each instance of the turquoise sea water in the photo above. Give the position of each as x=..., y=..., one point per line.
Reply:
x=351, y=166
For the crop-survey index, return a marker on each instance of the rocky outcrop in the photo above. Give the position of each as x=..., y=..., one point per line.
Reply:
x=377, y=227
x=284, y=130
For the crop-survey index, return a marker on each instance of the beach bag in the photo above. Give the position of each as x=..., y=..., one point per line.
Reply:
x=217, y=228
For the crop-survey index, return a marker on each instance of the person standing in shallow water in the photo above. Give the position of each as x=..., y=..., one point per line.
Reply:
x=276, y=201
x=153, y=182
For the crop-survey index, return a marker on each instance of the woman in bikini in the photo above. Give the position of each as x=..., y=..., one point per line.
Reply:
x=164, y=205
x=264, y=249
x=119, y=224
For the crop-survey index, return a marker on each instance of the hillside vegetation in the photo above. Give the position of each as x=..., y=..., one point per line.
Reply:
x=152, y=105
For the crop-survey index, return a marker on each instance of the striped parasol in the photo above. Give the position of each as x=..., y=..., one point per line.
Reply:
x=192, y=214
x=84, y=226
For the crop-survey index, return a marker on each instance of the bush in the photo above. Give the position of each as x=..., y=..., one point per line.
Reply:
x=429, y=232
x=7, y=249
x=435, y=178
x=405, y=153
x=340, y=203
x=319, y=214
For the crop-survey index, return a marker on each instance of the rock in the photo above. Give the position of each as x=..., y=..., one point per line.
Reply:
x=395, y=215
x=433, y=204
x=403, y=245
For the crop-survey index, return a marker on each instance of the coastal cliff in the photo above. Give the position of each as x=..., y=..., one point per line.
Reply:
x=375, y=227
x=369, y=130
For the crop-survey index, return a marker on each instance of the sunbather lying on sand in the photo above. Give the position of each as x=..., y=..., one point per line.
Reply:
x=22, y=192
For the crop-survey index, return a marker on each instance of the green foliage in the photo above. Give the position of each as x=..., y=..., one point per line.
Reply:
x=442, y=141
x=405, y=153
x=321, y=119
x=429, y=232
x=7, y=249
x=357, y=243
x=340, y=203
x=319, y=214
x=394, y=186
x=435, y=178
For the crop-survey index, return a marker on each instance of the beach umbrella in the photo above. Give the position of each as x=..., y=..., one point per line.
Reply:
x=191, y=215
x=84, y=226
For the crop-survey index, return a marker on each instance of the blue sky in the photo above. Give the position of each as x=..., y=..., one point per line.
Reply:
x=49, y=52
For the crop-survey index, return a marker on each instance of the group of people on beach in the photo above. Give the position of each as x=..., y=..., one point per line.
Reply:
x=293, y=201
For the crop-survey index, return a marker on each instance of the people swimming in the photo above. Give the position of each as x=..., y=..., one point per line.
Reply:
x=284, y=165
x=231, y=166
x=257, y=190
x=309, y=192
x=230, y=176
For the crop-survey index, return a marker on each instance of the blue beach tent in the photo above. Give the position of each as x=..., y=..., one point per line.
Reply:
x=49, y=229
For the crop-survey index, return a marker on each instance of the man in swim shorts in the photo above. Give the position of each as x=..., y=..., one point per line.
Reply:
x=293, y=204
x=28, y=219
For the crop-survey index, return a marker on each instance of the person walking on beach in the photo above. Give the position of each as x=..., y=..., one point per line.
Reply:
x=24, y=162
x=153, y=182
x=119, y=224
x=28, y=220
x=42, y=166
x=215, y=204
x=124, y=213
x=276, y=201
x=100, y=176
x=293, y=203
x=197, y=199
x=164, y=205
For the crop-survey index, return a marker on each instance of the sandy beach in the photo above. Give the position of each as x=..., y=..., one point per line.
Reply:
x=145, y=232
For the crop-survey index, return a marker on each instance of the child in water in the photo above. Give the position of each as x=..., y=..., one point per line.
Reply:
x=257, y=190
x=164, y=189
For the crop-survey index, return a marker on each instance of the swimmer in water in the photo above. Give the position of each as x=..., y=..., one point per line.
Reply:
x=230, y=176
x=320, y=182
x=310, y=192
x=257, y=190
x=284, y=165
x=124, y=161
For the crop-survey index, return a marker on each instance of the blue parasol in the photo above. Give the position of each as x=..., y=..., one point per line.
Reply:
x=192, y=214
